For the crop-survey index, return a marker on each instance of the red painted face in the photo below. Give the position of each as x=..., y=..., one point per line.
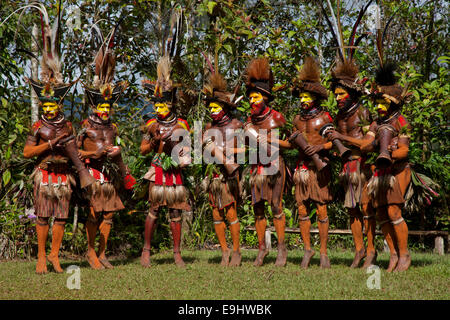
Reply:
x=307, y=100
x=103, y=111
x=216, y=111
x=162, y=110
x=342, y=97
x=257, y=103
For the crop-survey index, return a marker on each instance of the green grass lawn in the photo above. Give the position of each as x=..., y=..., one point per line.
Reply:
x=204, y=278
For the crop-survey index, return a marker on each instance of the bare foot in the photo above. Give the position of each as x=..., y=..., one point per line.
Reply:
x=41, y=265
x=371, y=258
x=282, y=255
x=178, y=260
x=235, y=259
x=403, y=263
x=54, y=260
x=307, y=258
x=324, y=261
x=358, y=257
x=145, y=258
x=262, y=253
x=225, y=258
x=91, y=257
x=104, y=261
x=392, y=262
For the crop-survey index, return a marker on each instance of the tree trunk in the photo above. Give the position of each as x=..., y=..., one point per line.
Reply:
x=34, y=76
x=428, y=45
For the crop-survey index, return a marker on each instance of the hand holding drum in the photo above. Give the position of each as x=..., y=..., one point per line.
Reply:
x=218, y=154
x=255, y=138
x=385, y=134
x=72, y=152
x=344, y=152
x=298, y=139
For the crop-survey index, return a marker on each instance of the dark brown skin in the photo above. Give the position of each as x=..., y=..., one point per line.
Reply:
x=38, y=145
x=273, y=121
x=310, y=128
x=349, y=129
x=98, y=140
x=160, y=138
x=399, y=146
x=233, y=125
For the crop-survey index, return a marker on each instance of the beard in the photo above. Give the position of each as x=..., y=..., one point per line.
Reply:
x=218, y=116
x=104, y=116
x=383, y=114
x=51, y=115
x=345, y=103
x=308, y=105
x=162, y=117
x=257, y=109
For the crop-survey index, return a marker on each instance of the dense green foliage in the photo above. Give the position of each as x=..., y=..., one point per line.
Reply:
x=234, y=32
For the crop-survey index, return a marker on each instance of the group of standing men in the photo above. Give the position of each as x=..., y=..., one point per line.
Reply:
x=373, y=192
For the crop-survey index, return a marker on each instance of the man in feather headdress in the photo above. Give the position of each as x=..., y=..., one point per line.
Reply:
x=352, y=124
x=98, y=141
x=389, y=136
x=162, y=135
x=267, y=180
x=223, y=184
x=52, y=141
x=312, y=175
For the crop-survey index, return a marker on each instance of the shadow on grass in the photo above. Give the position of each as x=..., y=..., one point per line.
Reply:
x=84, y=264
x=186, y=259
x=248, y=256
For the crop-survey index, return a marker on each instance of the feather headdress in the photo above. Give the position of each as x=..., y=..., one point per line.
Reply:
x=51, y=86
x=345, y=73
x=216, y=90
x=386, y=85
x=103, y=90
x=164, y=89
x=259, y=77
x=308, y=79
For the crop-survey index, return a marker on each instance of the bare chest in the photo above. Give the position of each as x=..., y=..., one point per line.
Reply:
x=310, y=129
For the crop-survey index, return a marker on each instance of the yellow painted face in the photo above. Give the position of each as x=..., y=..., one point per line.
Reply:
x=341, y=94
x=103, y=111
x=382, y=106
x=256, y=98
x=51, y=109
x=215, y=107
x=306, y=99
x=162, y=109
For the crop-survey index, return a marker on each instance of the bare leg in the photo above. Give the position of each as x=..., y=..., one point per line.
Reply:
x=260, y=225
x=175, y=227
x=105, y=229
x=280, y=223
x=91, y=232
x=235, y=234
x=150, y=226
x=401, y=232
x=369, y=226
x=356, y=227
x=57, y=237
x=305, y=227
x=389, y=235
x=42, y=228
x=220, y=227
x=322, y=217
